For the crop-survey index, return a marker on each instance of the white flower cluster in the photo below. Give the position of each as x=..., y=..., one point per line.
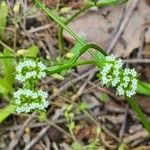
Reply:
x=113, y=75
x=27, y=100
x=111, y=71
x=29, y=69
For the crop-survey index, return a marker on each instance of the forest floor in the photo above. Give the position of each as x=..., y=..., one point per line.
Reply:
x=123, y=30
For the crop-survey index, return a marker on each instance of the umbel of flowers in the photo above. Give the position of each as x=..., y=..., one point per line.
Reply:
x=29, y=98
x=30, y=69
x=113, y=75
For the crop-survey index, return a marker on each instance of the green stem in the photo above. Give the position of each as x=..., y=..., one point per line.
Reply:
x=139, y=113
x=84, y=49
x=6, y=46
x=72, y=61
x=86, y=7
x=78, y=13
x=61, y=40
x=60, y=31
x=88, y=62
x=105, y=3
x=72, y=134
x=57, y=19
x=59, y=68
x=14, y=57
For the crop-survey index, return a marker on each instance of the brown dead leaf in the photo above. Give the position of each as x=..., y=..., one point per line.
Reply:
x=135, y=28
x=98, y=27
x=94, y=26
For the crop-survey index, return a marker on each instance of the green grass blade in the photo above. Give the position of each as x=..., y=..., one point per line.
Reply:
x=143, y=88
x=6, y=111
x=139, y=113
x=3, y=16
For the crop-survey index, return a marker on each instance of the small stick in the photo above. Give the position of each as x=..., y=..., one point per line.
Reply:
x=136, y=60
x=15, y=141
x=123, y=24
x=37, y=138
x=80, y=91
x=136, y=136
x=122, y=130
x=69, y=83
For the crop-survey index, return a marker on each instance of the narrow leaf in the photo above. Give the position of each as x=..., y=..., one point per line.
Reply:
x=5, y=112
x=8, y=66
x=139, y=113
x=122, y=147
x=5, y=86
x=3, y=16
x=143, y=88
x=32, y=51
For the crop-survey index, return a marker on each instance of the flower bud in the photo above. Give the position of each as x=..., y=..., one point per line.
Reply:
x=16, y=8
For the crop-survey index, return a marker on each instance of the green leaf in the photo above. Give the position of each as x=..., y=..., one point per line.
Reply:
x=77, y=146
x=8, y=66
x=82, y=106
x=3, y=16
x=104, y=97
x=32, y=51
x=54, y=69
x=122, y=147
x=6, y=111
x=139, y=113
x=143, y=88
x=76, y=48
x=5, y=86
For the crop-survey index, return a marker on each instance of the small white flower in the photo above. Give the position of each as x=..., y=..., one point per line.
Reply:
x=129, y=82
x=120, y=90
x=110, y=58
x=30, y=69
x=41, y=65
x=110, y=71
x=27, y=100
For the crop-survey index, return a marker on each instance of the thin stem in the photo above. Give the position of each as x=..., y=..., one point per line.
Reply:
x=6, y=46
x=56, y=18
x=14, y=57
x=15, y=35
x=61, y=40
x=58, y=128
x=78, y=13
x=86, y=48
x=87, y=6
x=105, y=3
x=60, y=31
x=72, y=134
x=67, y=65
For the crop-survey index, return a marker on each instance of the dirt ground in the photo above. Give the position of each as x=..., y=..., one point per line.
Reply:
x=123, y=30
